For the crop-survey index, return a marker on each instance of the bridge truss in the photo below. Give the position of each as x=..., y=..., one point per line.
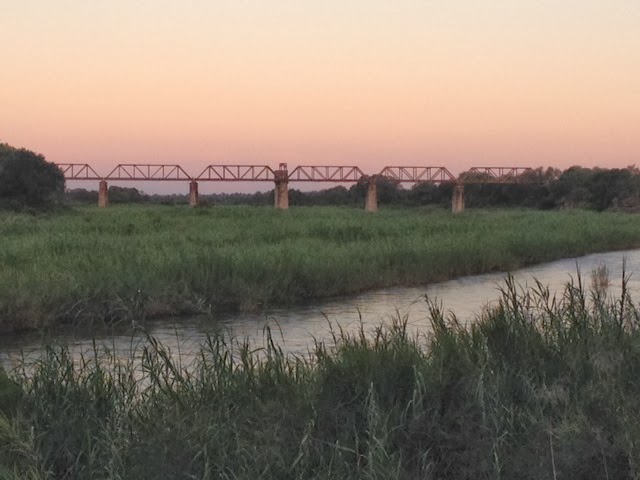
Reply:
x=418, y=174
x=78, y=171
x=237, y=173
x=315, y=173
x=496, y=175
x=147, y=172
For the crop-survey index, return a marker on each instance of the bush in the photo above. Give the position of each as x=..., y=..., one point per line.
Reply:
x=27, y=180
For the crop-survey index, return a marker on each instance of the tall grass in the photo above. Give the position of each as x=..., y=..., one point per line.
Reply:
x=538, y=387
x=130, y=261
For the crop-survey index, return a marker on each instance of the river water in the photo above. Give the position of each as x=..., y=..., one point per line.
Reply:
x=295, y=329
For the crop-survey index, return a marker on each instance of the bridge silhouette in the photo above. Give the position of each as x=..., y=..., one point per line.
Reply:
x=280, y=177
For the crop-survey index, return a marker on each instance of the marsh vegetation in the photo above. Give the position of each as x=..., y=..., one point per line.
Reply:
x=133, y=262
x=537, y=387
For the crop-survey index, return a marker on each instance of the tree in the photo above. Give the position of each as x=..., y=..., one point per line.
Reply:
x=81, y=195
x=126, y=195
x=609, y=187
x=389, y=191
x=426, y=194
x=570, y=189
x=28, y=180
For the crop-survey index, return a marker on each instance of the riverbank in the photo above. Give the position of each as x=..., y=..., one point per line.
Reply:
x=132, y=262
x=534, y=389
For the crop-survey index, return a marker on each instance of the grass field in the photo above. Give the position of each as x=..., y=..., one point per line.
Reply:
x=535, y=389
x=134, y=261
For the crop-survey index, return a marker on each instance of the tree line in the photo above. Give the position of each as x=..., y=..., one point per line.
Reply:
x=27, y=180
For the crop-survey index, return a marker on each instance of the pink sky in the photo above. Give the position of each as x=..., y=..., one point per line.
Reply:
x=371, y=83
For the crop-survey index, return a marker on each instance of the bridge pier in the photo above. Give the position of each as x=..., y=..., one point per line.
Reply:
x=281, y=197
x=103, y=194
x=193, y=193
x=457, y=202
x=371, y=203
x=281, y=191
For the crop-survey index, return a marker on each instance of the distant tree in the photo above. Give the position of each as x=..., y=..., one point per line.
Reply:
x=426, y=194
x=570, y=189
x=258, y=198
x=609, y=187
x=472, y=177
x=296, y=197
x=81, y=195
x=389, y=191
x=126, y=195
x=358, y=191
x=540, y=175
x=28, y=180
x=338, y=195
x=169, y=199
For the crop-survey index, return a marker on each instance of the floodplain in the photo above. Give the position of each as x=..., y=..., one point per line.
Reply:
x=134, y=262
x=537, y=387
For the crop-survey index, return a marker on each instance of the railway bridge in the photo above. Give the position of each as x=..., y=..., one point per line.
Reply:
x=280, y=177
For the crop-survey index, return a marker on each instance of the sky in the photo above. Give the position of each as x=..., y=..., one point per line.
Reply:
x=330, y=82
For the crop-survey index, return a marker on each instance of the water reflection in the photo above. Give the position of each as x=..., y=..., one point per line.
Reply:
x=296, y=329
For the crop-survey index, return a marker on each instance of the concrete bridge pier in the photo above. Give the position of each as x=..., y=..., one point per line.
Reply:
x=457, y=202
x=103, y=194
x=193, y=193
x=281, y=191
x=371, y=204
x=281, y=195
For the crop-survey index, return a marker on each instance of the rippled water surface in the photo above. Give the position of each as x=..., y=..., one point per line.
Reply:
x=295, y=329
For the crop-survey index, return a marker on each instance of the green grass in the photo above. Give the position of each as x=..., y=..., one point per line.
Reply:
x=133, y=261
x=535, y=389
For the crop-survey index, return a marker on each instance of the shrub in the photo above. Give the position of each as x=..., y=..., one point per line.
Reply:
x=28, y=180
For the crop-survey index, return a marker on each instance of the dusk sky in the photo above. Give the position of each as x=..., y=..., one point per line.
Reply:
x=410, y=82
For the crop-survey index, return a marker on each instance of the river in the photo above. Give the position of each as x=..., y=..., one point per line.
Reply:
x=295, y=329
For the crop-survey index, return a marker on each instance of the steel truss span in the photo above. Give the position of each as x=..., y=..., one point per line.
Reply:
x=316, y=173
x=497, y=175
x=78, y=171
x=237, y=173
x=147, y=172
x=418, y=174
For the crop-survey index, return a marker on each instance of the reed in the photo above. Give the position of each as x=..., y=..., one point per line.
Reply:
x=128, y=262
x=538, y=387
